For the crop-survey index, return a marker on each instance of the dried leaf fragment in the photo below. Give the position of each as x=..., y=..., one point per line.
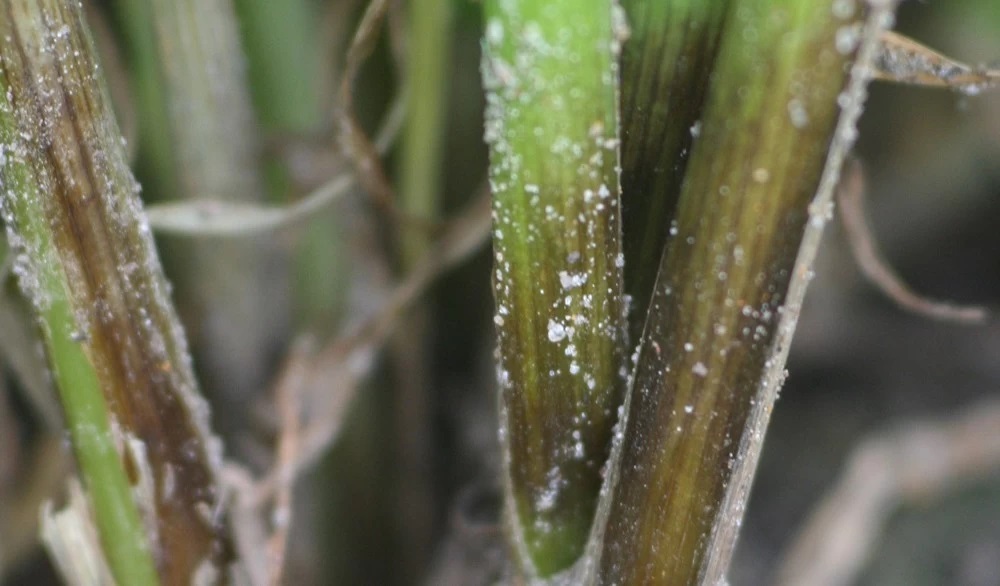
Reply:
x=903, y=60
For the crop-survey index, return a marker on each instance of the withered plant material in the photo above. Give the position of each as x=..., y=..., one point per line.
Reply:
x=326, y=382
x=904, y=60
x=357, y=145
x=73, y=543
x=217, y=218
x=361, y=150
x=289, y=409
x=343, y=362
x=87, y=262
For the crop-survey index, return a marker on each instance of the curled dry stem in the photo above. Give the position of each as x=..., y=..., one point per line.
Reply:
x=360, y=149
x=851, y=196
x=348, y=358
x=356, y=143
x=227, y=219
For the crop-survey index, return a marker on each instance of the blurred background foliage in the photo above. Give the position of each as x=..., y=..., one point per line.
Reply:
x=404, y=502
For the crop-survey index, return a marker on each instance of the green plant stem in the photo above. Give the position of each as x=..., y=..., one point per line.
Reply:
x=281, y=40
x=426, y=93
x=766, y=131
x=87, y=263
x=551, y=124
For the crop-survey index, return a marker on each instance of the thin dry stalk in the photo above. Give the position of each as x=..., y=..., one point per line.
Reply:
x=355, y=141
x=341, y=364
x=219, y=218
x=246, y=521
x=289, y=408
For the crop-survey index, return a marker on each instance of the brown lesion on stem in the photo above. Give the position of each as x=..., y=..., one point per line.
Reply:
x=114, y=279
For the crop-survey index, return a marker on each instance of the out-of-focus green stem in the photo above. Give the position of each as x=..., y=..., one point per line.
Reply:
x=280, y=43
x=281, y=40
x=427, y=98
x=235, y=310
x=203, y=142
x=551, y=124
x=157, y=161
x=426, y=88
x=87, y=263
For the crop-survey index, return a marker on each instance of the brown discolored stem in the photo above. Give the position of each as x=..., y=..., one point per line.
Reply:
x=87, y=262
x=708, y=346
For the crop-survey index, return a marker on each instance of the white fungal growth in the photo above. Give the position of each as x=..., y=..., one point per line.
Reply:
x=571, y=280
x=546, y=500
x=557, y=332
